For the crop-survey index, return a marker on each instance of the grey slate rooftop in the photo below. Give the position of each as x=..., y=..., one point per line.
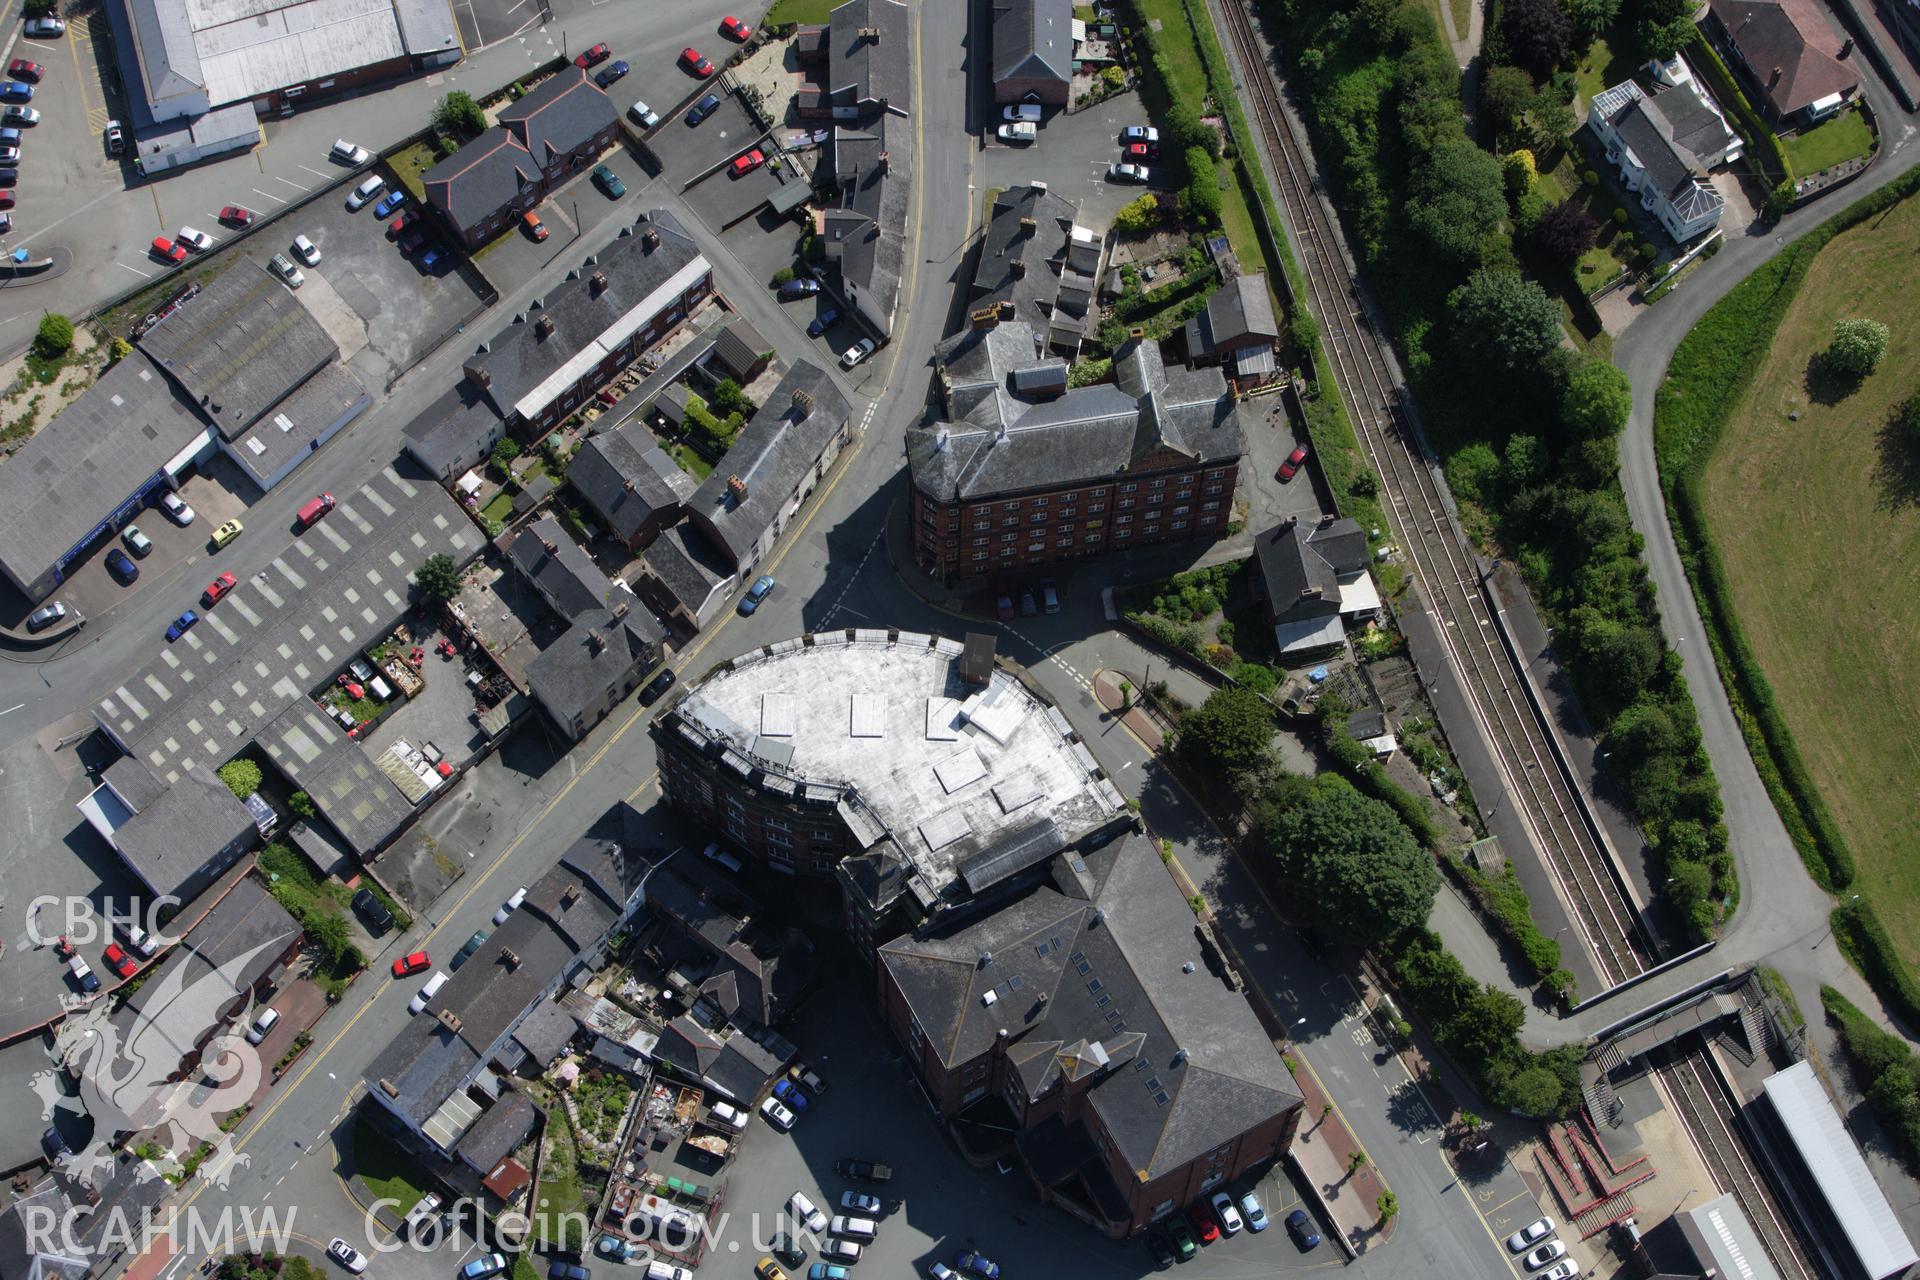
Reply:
x=772, y=452
x=558, y=115
x=1667, y=134
x=1032, y=39
x=481, y=177
x=168, y=839
x=876, y=71
x=290, y=428
x=351, y=792
x=868, y=224
x=574, y=671
x=547, y=556
x=627, y=478
x=1020, y=264
x=681, y=561
x=1182, y=1064
x=1296, y=557
x=1240, y=311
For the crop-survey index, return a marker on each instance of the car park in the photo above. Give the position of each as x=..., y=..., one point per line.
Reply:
x=16, y=91
x=1140, y=152
x=472, y=944
x=410, y=964
x=1023, y=131
x=1254, y=1212
x=41, y=28
x=861, y=1203
x=1028, y=605
x=198, y=241
x=406, y=219
x=975, y=1263
x=119, y=961
x=307, y=251
x=236, y=215
x=389, y=204
x=281, y=266
x=227, y=532
x=374, y=912
x=17, y=116
x=806, y=1213
x=137, y=542
x=167, y=251
x=657, y=686
x=690, y=59
x=45, y=616
x=1551, y=1251
x=777, y=1116
x=643, y=115
x=369, y=187
x=1291, y=467
x=1528, y=1236
x=123, y=569
x=346, y=153
x=21, y=69
x=1229, y=1215
x=1028, y=112
x=535, y=228
x=487, y=1264
x=794, y=290
x=822, y=322
x=116, y=138
x=428, y=990
x=217, y=589
x=702, y=109
x=346, y=1255
x=511, y=905
x=609, y=74
x=593, y=57
x=762, y=588
x=1127, y=173
x=865, y=1230
x=181, y=625
x=857, y=352
x=182, y=513
x=1300, y=1227
x=609, y=182
x=747, y=163
x=736, y=29
x=314, y=510
x=1139, y=133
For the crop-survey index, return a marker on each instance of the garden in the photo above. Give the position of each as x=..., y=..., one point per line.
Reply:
x=389, y=1172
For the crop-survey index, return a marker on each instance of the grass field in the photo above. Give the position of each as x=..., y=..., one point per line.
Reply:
x=1844, y=137
x=785, y=11
x=1818, y=525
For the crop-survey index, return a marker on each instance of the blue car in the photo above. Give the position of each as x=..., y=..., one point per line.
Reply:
x=794, y=290
x=1300, y=1227
x=182, y=625
x=974, y=1263
x=123, y=570
x=389, y=204
x=609, y=74
x=826, y=1271
x=11, y=137
x=702, y=109
x=432, y=258
x=487, y=1264
x=824, y=321
x=787, y=1091
x=759, y=591
x=16, y=91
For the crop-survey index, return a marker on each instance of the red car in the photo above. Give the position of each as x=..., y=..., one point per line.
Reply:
x=1002, y=601
x=748, y=163
x=168, y=251
x=1138, y=151
x=411, y=964
x=401, y=223
x=217, y=589
x=1204, y=1227
x=690, y=59
x=21, y=69
x=594, y=56
x=737, y=29
x=1291, y=467
x=119, y=961
x=236, y=215
x=6, y=199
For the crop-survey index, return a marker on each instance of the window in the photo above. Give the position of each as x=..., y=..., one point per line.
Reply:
x=1159, y=482
x=1179, y=524
x=1095, y=524
x=1009, y=506
x=1097, y=493
x=1152, y=529
x=1125, y=503
x=980, y=524
x=1209, y=506
x=1213, y=489
x=1038, y=517
x=1034, y=548
x=1091, y=538
x=1008, y=537
x=979, y=555
x=1006, y=551
x=780, y=838
x=1128, y=487
x=1180, y=511
x=1010, y=522
x=1068, y=513
x=1123, y=532
x=952, y=543
x=1040, y=500
x=1153, y=499
x=1095, y=508
x=980, y=542
x=1123, y=519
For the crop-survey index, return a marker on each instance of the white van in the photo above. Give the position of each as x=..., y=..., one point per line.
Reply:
x=862, y=1229
x=728, y=1116
x=368, y=190
x=714, y=853
x=658, y=1270
x=428, y=992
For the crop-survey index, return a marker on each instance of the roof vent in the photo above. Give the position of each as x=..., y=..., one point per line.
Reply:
x=543, y=327
x=1097, y=916
x=802, y=402
x=627, y=485
x=939, y=438
x=737, y=487
x=1042, y=999
x=871, y=34
x=552, y=548
x=572, y=895
x=1017, y=267
x=597, y=285
x=591, y=259
x=1180, y=1057
x=483, y=349
x=389, y=1088
x=1029, y=224
x=619, y=611
x=450, y=1020
x=885, y=156
x=989, y=997
x=1136, y=332
x=1310, y=593
x=1187, y=967
x=596, y=643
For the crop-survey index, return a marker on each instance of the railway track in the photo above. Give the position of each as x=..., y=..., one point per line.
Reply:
x=1709, y=1120
x=1442, y=562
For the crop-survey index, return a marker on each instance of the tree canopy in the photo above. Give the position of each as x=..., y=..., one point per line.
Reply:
x=460, y=115
x=1357, y=867
x=1457, y=199
x=1597, y=401
x=1537, y=33
x=243, y=777
x=1858, y=346
x=55, y=337
x=438, y=578
x=1565, y=231
x=1505, y=320
x=1232, y=730
x=1504, y=95
x=1203, y=188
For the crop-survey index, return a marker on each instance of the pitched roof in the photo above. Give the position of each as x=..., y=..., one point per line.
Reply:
x=1653, y=129
x=1177, y=1061
x=869, y=223
x=575, y=671
x=873, y=71
x=768, y=969
x=166, y=842
x=559, y=115
x=685, y=566
x=1021, y=264
x=1791, y=49
x=500, y=1129
x=737, y=347
x=1239, y=312
x=1032, y=39
x=1295, y=558
x=560, y=568
x=627, y=478
x=999, y=440
x=28, y=1251
x=480, y=178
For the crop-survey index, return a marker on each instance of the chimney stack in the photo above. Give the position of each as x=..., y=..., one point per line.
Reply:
x=596, y=643
x=619, y=611
x=1017, y=267
x=651, y=240
x=1029, y=225
x=1137, y=333
x=737, y=487
x=510, y=957
x=870, y=34
x=552, y=548
x=572, y=895
x=543, y=327
x=480, y=375
x=450, y=1020
x=802, y=402
x=597, y=285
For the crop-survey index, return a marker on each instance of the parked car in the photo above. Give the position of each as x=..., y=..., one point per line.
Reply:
x=307, y=251
x=1159, y=1250
x=643, y=115
x=863, y=1170
x=88, y=980
x=45, y=616
x=42, y=28
x=762, y=588
x=1291, y=467
x=389, y=204
x=1563, y=1271
x=1134, y=173
x=768, y=1269
x=690, y=59
x=609, y=74
x=119, y=961
x=18, y=116
x=54, y=1145
x=1181, y=1239
x=511, y=905
x=465, y=953
x=487, y=1264
x=283, y=267
x=1254, y=1212
x=428, y=990
x=410, y=964
x=1049, y=595
x=939, y=1270
x=217, y=589
x=657, y=686
x=198, y=241
x=806, y=1213
x=861, y=1203
x=123, y=570
x=1003, y=604
x=702, y=109
x=777, y=1116
x=827, y=1271
x=609, y=182
x=1229, y=1215
x=978, y=1264
x=314, y=510
x=345, y=152
x=841, y=1250
x=1529, y=1235
x=737, y=29
x=789, y=1092
x=794, y=290
x=857, y=352
x=116, y=138
x=1027, y=112
x=1300, y=1227
x=407, y=218
x=433, y=257
x=263, y=1023
x=346, y=1255
x=593, y=57
x=182, y=513
x=1028, y=605
x=535, y=228
x=747, y=163
x=372, y=911
x=10, y=155
x=187, y=620
x=1139, y=133
x=1204, y=1227
x=561, y=1269
x=137, y=542
x=1024, y=131
x=807, y=1078
x=167, y=251
x=1551, y=1251
x=369, y=187
x=227, y=532
x=21, y=69
x=236, y=215
x=16, y=91
x=822, y=322
x=140, y=940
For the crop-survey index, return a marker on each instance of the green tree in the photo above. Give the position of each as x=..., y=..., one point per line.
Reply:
x=438, y=578
x=1597, y=401
x=56, y=336
x=1185, y=129
x=1232, y=729
x=328, y=931
x=460, y=115
x=242, y=777
x=505, y=450
x=1203, y=188
x=1114, y=78
x=1387, y=1205
x=1858, y=346
x=1504, y=320
x=1550, y=121
x=727, y=398
x=1518, y=171
x=1537, y=33
x=118, y=349
x=1457, y=200
x=1564, y=231
x=1536, y=1091
x=1664, y=25
x=1138, y=215
x=1356, y=866
x=1590, y=18
x=1504, y=96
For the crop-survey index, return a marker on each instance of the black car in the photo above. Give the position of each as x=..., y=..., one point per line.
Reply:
x=373, y=911
x=45, y=616
x=465, y=953
x=702, y=109
x=657, y=686
x=124, y=571
x=568, y=1271
x=784, y=1248
x=54, y=1145
x=1162, y=1251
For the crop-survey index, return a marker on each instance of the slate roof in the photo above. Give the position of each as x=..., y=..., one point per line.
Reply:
x=997, y=441
x=499, y=1130
x=1652, y=130
x=1239, y=313
x=597, y=651
x=771, y=454
x=559, y=115
x=247, y=919
x=560, y=569
x=1795, y=38
x=21, y=1255
x=1177, y=1062
x=870, y=73
x=546, y=1032
x=627, y=478
x=870, y=221
x=738, y=347
x=480, y=178
x=1296, y=557
x=517, y=359
x=683, y=564
x=1022, y=265
x=166, y=841
x=344, y=779
x=769, y=969
x=240, y=347
x=1033, y=39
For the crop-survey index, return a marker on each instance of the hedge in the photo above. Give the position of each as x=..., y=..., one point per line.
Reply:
x=1504, y=900
x=1762, y=142
x=1884, y=1069
x=1366, y=773
x=1858, y=933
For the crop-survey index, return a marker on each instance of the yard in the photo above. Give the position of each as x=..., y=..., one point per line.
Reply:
x=1845, y=137
x=409, y=164
x=388, y=1171
x=1817, y=522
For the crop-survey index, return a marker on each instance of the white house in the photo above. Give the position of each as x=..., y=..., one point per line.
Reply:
x=1663, y=146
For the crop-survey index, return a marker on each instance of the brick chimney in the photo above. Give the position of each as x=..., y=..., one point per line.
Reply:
x=480, y=375
x=802, y=402
x=650, y=241
x=543, y=327
x=737, y=487
x=597, y=284
x=450, y=1020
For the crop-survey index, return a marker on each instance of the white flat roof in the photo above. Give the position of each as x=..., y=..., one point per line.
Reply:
x=1840, y=1172
x=248, y=48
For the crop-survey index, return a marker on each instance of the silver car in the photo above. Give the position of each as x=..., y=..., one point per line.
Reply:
x=279, y=265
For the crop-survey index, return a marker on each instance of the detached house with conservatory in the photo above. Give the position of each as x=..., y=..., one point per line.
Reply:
x=1662, y=144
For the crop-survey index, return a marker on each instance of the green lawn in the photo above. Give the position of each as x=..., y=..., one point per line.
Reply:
x=785, y=11
x=1601, y=68
x=387, y=1170
x=1817, y=523
x=1845, y=137
x=1183, y=56
x=690, y=462
x=409, y=164
x=498, y=507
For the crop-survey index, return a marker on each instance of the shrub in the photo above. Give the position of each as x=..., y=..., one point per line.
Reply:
x=302, y=805
x=1857, y=348
x=1203, y=188
x=243, y=777
x=1590, y=179
x=783, y=276
x=1137, y=215
x=1565, y=231
x=56, y=336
